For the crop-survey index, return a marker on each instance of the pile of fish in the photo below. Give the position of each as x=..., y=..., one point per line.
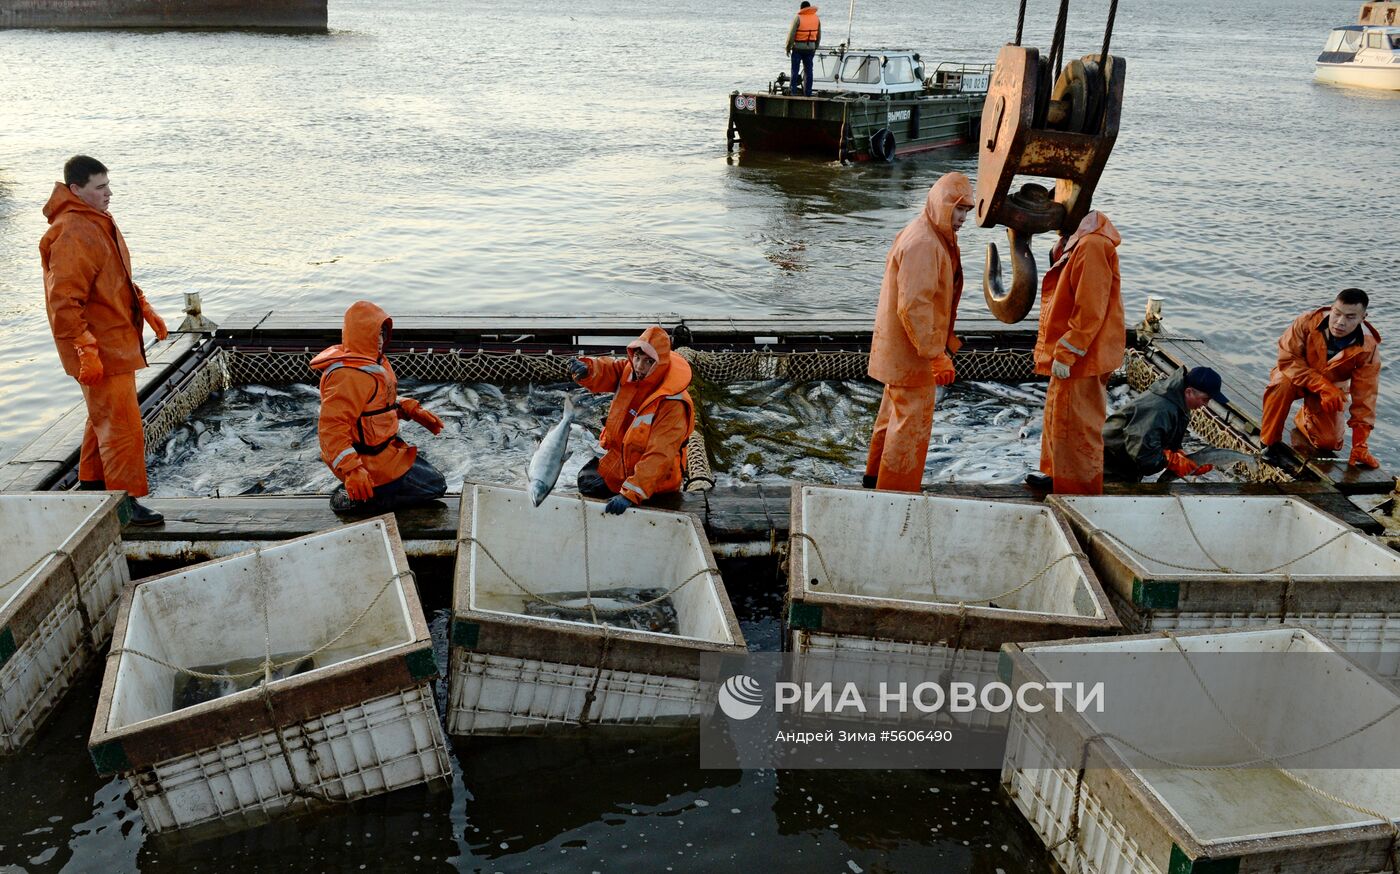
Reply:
x=774, y=430
x=255, y=439
x=618, y=608
x=191, y=690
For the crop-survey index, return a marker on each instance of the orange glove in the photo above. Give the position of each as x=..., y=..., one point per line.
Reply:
x=157, y=324
x=1361, y=455
x=414, y=411
x=1182, y=465
x=89, y=362
x=358, y=486
x=943, y=371
x=1332, y=398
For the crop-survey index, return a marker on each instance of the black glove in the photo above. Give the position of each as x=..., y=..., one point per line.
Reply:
x=616, y=505
x=577, y=369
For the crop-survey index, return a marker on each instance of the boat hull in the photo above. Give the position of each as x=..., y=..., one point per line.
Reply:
x=842, y=128
x=1382, y=77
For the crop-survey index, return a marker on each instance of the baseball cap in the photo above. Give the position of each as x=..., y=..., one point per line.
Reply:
x=1207, y=380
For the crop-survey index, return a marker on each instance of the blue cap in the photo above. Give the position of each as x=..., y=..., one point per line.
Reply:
x=1206, y=380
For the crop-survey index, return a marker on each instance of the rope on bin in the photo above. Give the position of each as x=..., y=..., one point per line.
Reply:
x=84, y=619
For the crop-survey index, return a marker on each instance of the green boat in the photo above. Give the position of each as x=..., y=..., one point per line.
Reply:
x=866, y=105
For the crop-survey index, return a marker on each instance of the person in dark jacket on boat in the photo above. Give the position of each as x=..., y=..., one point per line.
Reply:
x=804, y=38
x=1144, y=437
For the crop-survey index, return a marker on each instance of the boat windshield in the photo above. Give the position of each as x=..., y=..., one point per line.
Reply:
x=1343, y=40
x=861, y=69
x=899, y=71
x=824, y=67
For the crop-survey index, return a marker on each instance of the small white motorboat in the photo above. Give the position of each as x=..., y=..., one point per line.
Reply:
x=1362, y=56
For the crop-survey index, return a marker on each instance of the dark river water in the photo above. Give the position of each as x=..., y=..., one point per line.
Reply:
x=448, y=156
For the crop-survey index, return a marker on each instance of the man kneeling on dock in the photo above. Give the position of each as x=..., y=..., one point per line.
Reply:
x=359, y=424
x=1324, y=353
x=1145, y=436
x=648, y=424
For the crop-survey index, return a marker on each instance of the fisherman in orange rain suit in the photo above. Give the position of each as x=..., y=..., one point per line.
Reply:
x=1079, y=343
x=359, y=422
x=95, y=310
x=1324, y=353
x=648, y=423
x=911, y=350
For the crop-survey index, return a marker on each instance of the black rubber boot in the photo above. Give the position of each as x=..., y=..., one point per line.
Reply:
x=91, y=485
x=1040, y=481
x=1279, y=455
x=142, y=516
x=868, y=482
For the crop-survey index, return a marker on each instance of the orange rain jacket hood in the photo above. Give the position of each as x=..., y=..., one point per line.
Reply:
x=88, y=285
x=360, y=409
x=644, y=436
x=920, y=293
x=1081, y=303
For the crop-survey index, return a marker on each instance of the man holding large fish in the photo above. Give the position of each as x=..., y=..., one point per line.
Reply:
x=648, y=423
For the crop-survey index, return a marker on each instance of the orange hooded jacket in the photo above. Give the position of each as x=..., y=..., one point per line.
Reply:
x=1302, y=351
x=644, y=436
x=1081, y=303
x=88, y=285
x=919, y=296
x=360, y=409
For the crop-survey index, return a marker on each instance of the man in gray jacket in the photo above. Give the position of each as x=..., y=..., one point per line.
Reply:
x=1144, y=437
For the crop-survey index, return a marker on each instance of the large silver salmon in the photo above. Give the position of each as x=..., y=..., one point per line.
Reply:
x=549, y=458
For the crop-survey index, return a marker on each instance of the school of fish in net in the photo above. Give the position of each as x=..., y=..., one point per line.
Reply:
x=258, y=439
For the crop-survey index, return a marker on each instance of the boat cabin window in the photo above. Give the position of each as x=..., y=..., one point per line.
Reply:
x=899, y=71
x=1375, y=41
x=861, y=69
x=825, y=67
x=1395, y=40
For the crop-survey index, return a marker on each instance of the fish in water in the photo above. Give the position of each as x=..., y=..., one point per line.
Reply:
x=549, y=458
x=619, y=608
x=190, y=690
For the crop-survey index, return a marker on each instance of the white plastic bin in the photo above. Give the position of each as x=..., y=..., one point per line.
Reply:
x=512, y=672
x=359, y=722
x=1227, y=562
x=53, y=546
x=1197, y=820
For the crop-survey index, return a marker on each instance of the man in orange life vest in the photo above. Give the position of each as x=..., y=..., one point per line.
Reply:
x=1079, y=344
x=648, y=423
x=804, y=38
x=911, y=350
x=95, y=310
x=1322, y=355
x=359, y=423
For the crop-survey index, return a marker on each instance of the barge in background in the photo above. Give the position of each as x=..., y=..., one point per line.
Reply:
x=742, y=520
x=298, y=15
x=866, y=105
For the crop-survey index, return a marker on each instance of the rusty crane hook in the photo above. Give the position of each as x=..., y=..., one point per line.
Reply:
x=1041, y=119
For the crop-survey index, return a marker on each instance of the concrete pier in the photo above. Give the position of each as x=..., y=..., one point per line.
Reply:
x=307, y=15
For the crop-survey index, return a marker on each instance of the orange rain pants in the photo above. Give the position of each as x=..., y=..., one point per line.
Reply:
x=1072, y=449
x=899, y=446
x=1323, y=429
x=114, y=441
